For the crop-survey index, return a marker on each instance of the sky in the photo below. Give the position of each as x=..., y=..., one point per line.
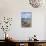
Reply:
x=26, y=14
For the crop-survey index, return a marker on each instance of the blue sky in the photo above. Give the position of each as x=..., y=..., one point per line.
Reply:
x=26, y=14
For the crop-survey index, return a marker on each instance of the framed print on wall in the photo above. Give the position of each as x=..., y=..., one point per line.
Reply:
x=26, y=19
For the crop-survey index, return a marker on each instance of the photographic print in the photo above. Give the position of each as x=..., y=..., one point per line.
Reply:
x=26, y=19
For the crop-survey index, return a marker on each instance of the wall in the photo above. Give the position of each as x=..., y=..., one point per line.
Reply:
x=45, y=28
x=12, y=8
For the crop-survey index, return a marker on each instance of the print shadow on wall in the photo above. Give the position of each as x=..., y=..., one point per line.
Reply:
x=26, y=19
